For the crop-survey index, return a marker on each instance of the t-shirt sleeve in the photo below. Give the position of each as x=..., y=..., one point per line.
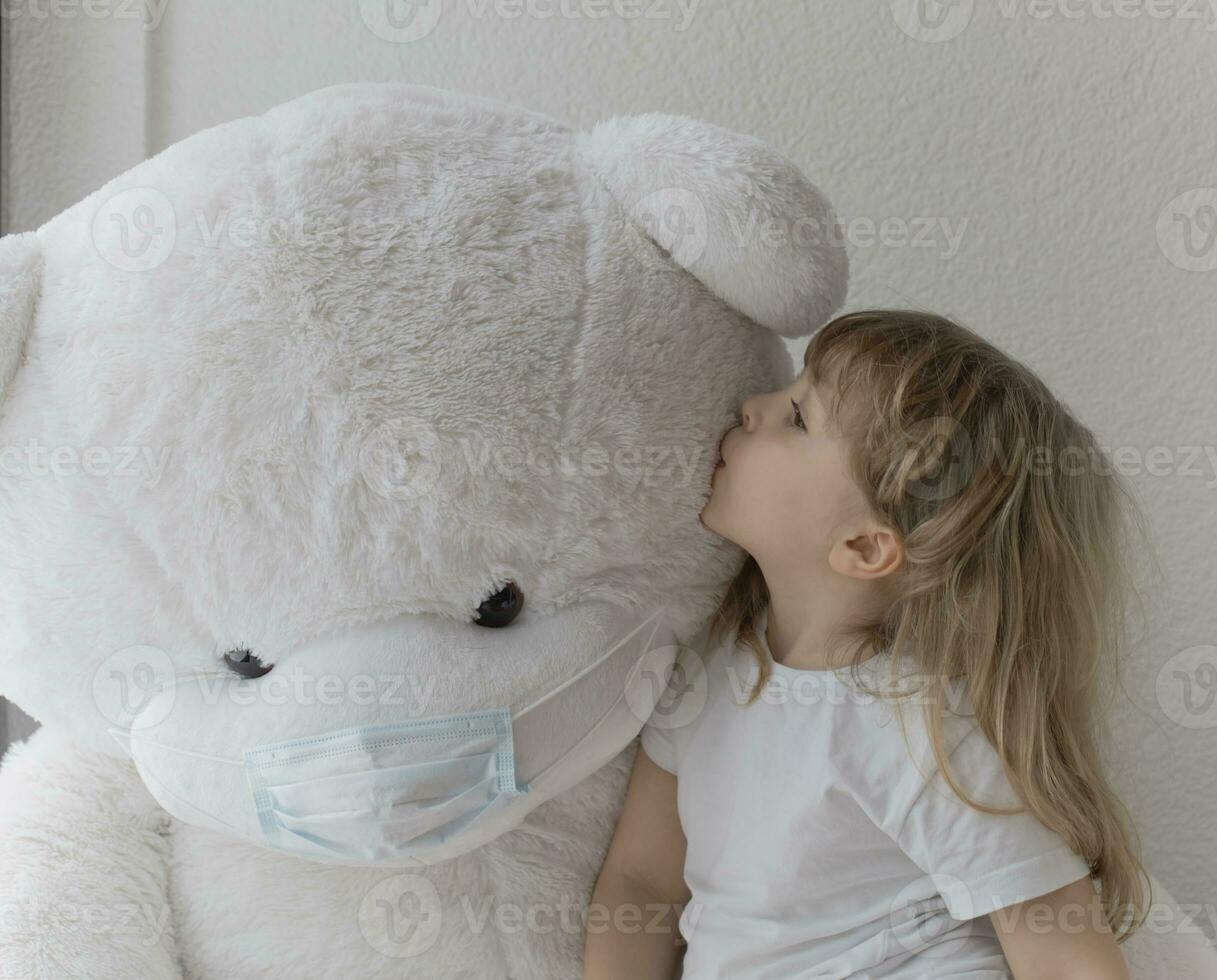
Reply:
x=670, y=725
x=979, y=861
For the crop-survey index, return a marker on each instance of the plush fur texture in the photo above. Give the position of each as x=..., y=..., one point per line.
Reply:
x=738, y=215
x=20, y=278
x=313, y=385
x=86, y=858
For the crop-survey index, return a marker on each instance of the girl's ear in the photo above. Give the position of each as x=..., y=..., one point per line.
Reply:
x=731, y=210
x=20, y=279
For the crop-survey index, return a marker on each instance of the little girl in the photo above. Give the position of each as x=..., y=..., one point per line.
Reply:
x=888, y=768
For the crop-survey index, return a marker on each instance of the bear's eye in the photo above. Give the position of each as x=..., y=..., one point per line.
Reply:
x=501, y=608
x=246, y=664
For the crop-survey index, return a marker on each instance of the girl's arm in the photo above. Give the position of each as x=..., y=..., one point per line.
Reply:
x=1060, y=936
x=632, y=922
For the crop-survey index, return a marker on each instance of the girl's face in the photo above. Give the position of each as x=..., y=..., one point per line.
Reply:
x=783, y=490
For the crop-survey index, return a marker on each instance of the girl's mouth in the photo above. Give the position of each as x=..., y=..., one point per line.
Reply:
x=719, y=461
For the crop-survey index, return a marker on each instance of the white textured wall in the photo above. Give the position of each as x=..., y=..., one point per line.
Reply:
x=1045, y=146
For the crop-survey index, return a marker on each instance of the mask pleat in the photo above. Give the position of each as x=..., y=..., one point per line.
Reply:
x=384, y=792
x=421, y=783
x=397, y=822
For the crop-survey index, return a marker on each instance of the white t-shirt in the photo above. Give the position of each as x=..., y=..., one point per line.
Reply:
x=816, y=845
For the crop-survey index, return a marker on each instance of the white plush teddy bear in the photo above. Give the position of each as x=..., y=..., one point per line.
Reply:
x=352, y=459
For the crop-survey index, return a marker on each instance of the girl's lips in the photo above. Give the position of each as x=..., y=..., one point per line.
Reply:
x=722, y=439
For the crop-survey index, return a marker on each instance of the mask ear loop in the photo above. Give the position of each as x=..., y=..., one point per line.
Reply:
x=656, y=622
x=120, y=733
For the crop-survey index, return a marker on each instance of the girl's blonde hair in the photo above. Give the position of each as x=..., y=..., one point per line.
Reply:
x=1014, y=529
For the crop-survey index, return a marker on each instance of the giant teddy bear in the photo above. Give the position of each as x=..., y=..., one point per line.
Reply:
x=353, y=459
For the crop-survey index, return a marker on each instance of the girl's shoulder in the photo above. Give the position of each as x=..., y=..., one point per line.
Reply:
x=905, y=700
x=887, y=717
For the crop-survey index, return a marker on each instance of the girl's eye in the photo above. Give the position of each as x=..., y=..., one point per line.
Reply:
x=798, y=416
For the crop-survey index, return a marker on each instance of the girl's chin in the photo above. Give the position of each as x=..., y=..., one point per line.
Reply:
x=710, y=525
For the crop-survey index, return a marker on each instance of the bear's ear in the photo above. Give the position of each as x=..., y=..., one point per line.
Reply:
x=731, y=210
x=20, y=280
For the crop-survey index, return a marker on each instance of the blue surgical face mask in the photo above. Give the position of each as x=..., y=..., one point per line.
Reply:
x=374, y=793
x=398, y=792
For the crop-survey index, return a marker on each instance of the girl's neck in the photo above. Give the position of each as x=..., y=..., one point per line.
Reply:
x=807, y=611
